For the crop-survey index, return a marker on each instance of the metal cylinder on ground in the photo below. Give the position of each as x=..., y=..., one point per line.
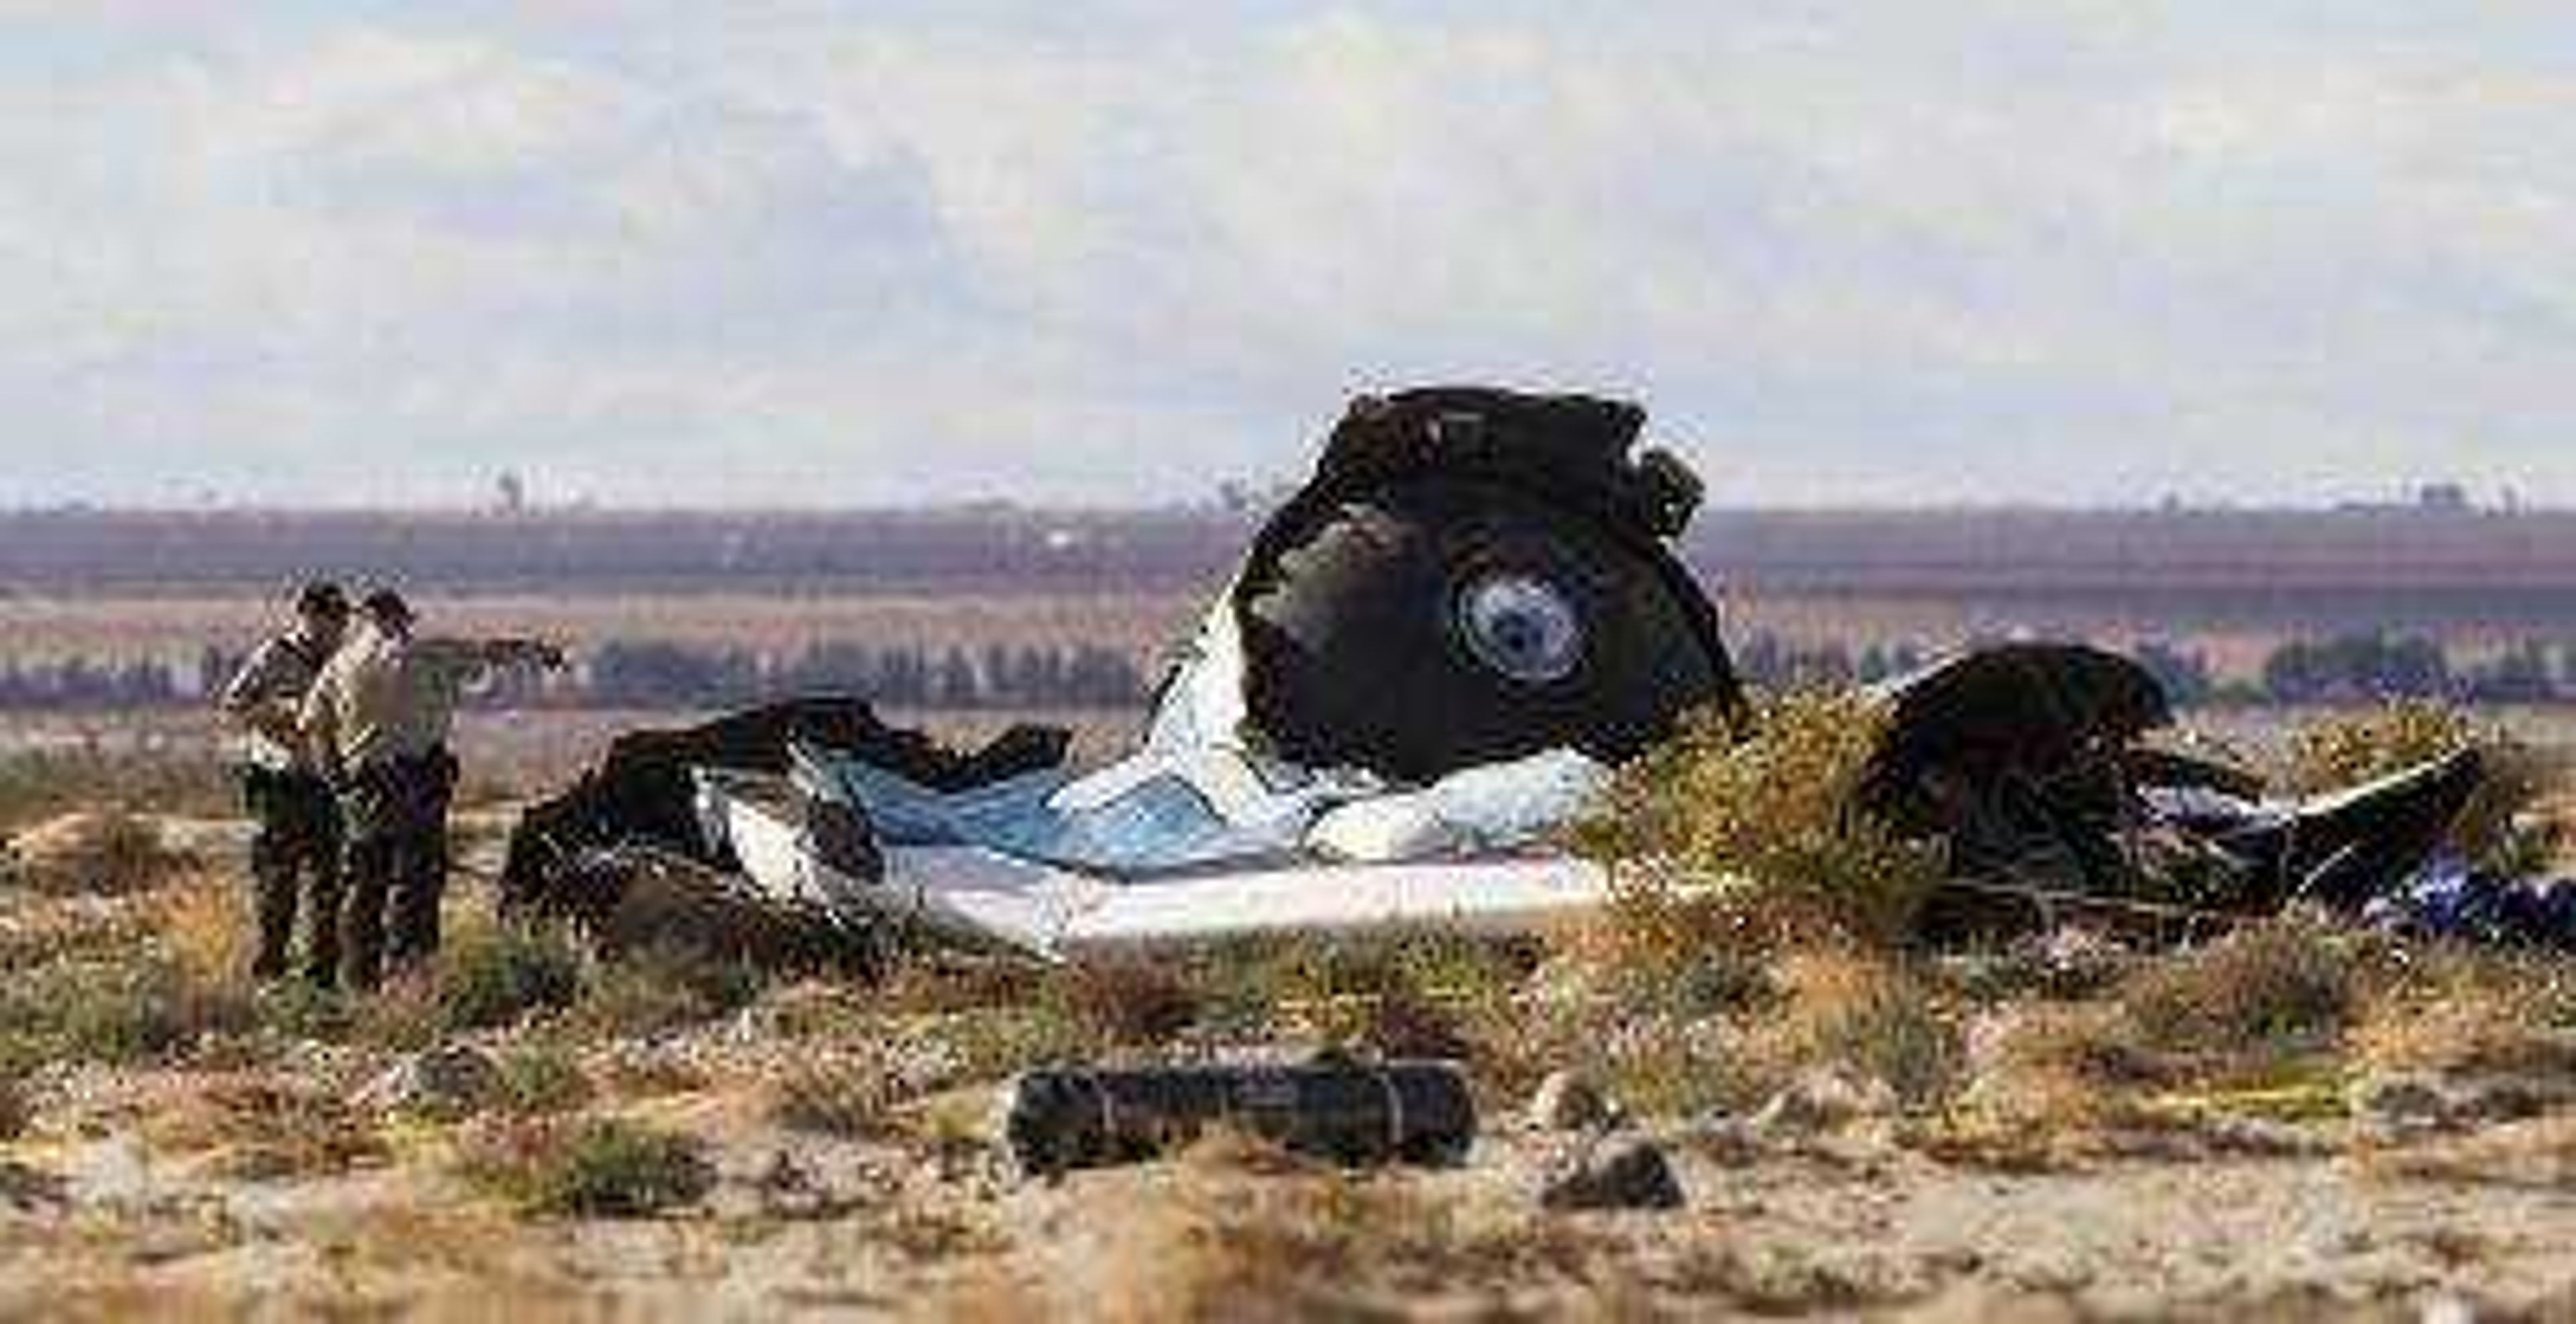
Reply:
x=1352, y=1113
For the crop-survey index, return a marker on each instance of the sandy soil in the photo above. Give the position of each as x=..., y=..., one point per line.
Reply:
x=116, y=1203
x=103, y=1225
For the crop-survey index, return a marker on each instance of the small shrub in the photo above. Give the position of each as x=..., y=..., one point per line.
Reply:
x=660, y=988
x=42, y=784
x=2466, y=1011
x=265, y=1129
x=207, y=928
x=995, y=1042
x=813, y=1010
x=491, y=976
x=38, y=936
x=604, y=1168
x=406, y=1015
x=852, y=1096
x=541, y=1079
x=2280, y=986
x=1879, y=1020
x=296, y=1009
x=2058, y=1067
x=1129, y=1003
x=94, y=853
x=16, y=1113
x=113, y=1012
x=1662, y=1065
x=1767, y=829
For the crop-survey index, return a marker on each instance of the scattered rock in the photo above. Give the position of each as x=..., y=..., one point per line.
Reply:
x=2399, y=1104
x=31, y=1189
x=2260, y=1138
x=1570, y=1101
x=1612, y=1173
x=446, y=1083
x=786, y=1187
x=2485, y=1099
x=2448, y=1309
x=1988, y=1040
x=1823, y=1101
x=2406, y=1104
x=2080, y=961
x=1725, y=1139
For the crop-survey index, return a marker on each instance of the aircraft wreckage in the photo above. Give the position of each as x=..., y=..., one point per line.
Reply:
x=1429, y=660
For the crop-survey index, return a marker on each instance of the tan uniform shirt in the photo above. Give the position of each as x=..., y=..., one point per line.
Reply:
x=383, y=697
x=267, y=694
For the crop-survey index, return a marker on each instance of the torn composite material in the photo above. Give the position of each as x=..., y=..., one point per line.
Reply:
x=983, y=898
x=1472, y=581
x=1428, y=657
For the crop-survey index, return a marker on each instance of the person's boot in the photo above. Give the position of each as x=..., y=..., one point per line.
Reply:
x=322, y=961
x=274, y=885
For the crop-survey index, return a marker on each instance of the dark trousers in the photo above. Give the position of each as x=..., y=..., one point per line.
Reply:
x=294, y=863
x=397, y=820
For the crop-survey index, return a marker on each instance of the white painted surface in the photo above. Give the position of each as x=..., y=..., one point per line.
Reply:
x=979, y=896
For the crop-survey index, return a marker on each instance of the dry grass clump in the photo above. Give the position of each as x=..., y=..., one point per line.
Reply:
x=660, y=988
x=1405, y=996
x=1415, y=996
x=849, y=1094
x=1129, y=1002
x=1659, y=1064
x=597, y=1168
x=93, y=853
x=994, y=1042
x=2496, y=830
x=1875, y=1019
x=2280, y=987
x=2538, y=1155
x=2049, y=1071
x=124, y=979
x=2464, y=1012
x=2266, y=1006
x=42, y=784
x=1868, y=1019
x=491, y=975
x=147, y=1006
x=206, y=927
x=1276, y=1241
x=539, y=1079
x=1767, y=829
x=261, y=1128
x=814, y=1009
x=39, y=935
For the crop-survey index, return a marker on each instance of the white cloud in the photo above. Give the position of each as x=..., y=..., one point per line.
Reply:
x=837, y=252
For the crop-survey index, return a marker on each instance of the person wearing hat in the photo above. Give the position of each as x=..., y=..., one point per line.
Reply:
x=295, y=847
x=377, y=722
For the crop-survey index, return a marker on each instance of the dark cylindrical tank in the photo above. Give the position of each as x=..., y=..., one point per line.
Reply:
x=1345, y=1112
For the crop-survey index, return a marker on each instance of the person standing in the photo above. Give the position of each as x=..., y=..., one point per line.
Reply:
x=295, y=846
x=377, y=722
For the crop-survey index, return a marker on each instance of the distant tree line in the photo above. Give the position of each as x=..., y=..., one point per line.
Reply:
x=650, y=673
x=2346, y=669
x=82, y=683
x=665, y=674
x=658, y=674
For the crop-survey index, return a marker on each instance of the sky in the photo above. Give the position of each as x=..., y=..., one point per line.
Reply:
x=836, y=254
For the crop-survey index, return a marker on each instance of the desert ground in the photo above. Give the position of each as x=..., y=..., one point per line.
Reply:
x=2294, y=1120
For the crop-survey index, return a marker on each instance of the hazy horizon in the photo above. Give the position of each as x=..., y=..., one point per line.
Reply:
x=854, y=256
x=1209, y=505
